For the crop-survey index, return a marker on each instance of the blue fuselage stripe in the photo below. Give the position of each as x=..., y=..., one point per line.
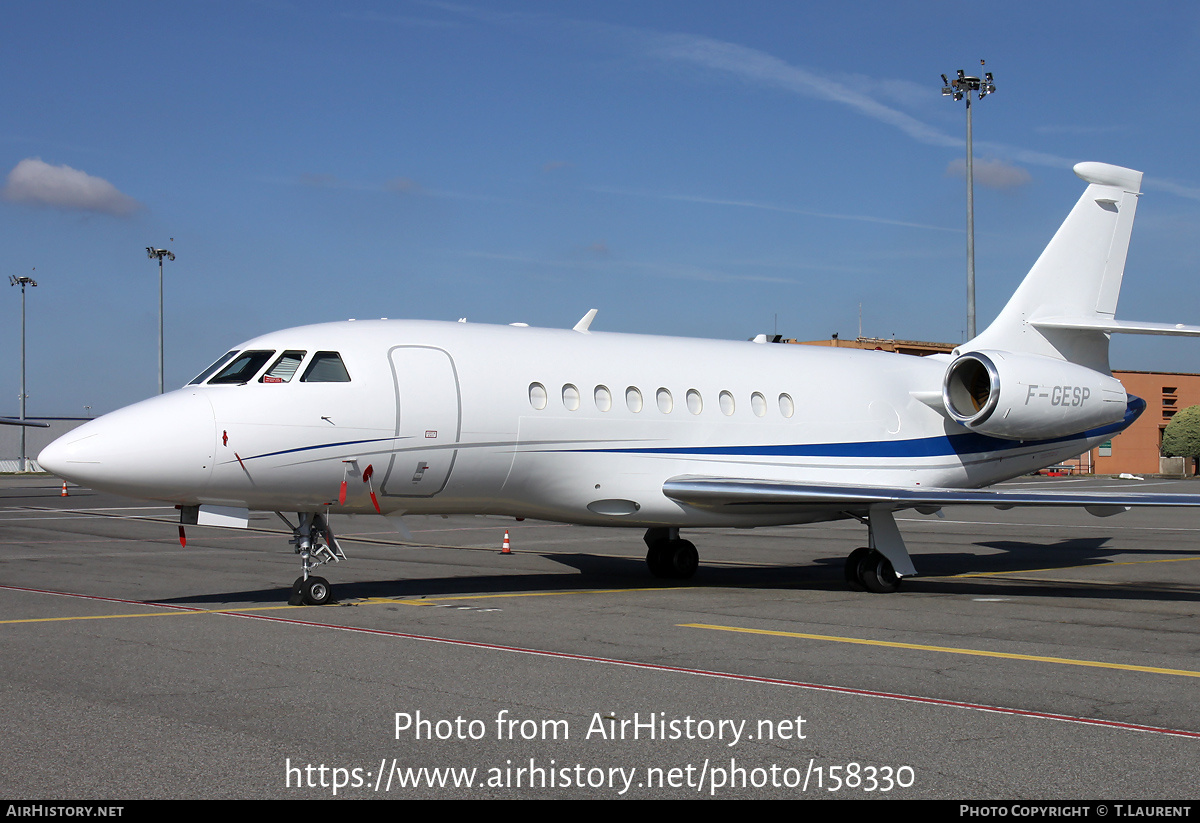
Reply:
x=938, y=446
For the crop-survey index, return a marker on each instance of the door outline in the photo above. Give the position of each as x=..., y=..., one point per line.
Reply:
x=404, y=474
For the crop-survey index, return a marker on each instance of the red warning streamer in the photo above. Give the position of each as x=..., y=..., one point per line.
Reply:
x=367, y=472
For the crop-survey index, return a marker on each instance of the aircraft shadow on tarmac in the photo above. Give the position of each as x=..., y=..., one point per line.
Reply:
x=817, y=574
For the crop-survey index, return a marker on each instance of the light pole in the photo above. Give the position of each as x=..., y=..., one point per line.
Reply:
x=22, y=281
x=961, y=87
x=152, y=253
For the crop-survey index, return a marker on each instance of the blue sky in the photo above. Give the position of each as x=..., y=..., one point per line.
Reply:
x=707, y=169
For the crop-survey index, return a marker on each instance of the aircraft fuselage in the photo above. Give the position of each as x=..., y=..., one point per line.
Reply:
x=561, y=425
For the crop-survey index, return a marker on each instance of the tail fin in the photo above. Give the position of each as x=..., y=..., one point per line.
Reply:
x=1066, y=306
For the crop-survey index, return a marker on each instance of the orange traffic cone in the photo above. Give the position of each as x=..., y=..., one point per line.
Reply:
x=64, y=491
x=506, y=548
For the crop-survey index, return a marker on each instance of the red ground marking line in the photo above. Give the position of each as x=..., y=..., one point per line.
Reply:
x=747, y=678
x=633, y=664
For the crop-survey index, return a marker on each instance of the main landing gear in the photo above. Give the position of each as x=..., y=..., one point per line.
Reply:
x=668, y=556
x=316, y=545
x=879, y=567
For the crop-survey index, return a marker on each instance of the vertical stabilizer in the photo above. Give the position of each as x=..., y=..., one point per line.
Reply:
x=1077, y=278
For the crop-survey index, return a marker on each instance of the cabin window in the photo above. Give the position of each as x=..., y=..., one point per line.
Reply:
x=603, y=398
x=695, y=402
x=537, y=396
x=727, y=404
x=665, y=401
x=570, y=395
x=204, y=375
x=242, y=369
x=786, y=407
x=326, y=367
x=284, y=369
x=758, y=403
x=633, y=399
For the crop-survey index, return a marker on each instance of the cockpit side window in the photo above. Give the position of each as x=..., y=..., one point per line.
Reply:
x=243, y=368
x=204, y=375
x=284, y=368
x=326, y=367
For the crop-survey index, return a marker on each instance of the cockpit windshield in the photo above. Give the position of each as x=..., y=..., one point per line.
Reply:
x=204, y=375
x=242, y=369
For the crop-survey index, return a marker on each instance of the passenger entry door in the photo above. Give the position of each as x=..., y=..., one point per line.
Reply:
x=428, y=421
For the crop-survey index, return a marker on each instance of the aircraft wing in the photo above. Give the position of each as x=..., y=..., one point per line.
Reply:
x=740, y=494
x=8, y=421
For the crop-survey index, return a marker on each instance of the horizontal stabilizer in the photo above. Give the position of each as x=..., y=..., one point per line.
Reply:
x=730, y=493
x=1116, y=326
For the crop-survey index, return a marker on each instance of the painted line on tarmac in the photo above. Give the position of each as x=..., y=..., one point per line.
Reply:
x=891, y=644
x=655, y=667
x=176, y=611
x=744, y=678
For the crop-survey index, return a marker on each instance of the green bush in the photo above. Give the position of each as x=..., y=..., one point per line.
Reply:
x=1181, y=437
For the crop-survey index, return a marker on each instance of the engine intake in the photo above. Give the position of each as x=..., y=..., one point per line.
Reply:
x=1029, y=397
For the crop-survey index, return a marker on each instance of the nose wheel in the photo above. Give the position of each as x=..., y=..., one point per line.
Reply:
x=315, y=591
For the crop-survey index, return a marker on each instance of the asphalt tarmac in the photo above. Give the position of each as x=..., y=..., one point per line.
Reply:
x=1042, y=654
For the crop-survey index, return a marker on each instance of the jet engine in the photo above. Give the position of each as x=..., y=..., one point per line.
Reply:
x=1028, y=396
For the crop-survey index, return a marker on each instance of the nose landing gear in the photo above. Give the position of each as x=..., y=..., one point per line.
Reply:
x=316, y=545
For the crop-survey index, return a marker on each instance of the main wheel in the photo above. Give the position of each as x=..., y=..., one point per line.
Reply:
x=316, y=591
x=658, y=558
x=854, y=568
x=878, y=575
x=684, y=559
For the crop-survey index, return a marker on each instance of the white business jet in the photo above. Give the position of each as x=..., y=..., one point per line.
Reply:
x=658, y=433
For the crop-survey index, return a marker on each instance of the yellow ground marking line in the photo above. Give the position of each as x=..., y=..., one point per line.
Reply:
x=373, y=600
x=172, y=613
x=370, y=601
x=1076, y=568
x=1066, y=661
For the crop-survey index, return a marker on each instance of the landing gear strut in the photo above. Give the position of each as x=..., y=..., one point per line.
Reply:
x=668, y=556
x=316, y=545
x=879, y=568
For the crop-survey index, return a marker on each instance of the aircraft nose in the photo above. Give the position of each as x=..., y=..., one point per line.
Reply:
x=160, y=449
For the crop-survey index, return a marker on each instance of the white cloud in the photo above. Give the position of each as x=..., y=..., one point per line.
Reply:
x=995, y=174
x=759, y=67
x=37, y=183
x=763, y=69
x=751, y=204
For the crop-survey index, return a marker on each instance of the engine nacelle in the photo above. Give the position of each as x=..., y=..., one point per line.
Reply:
x=1028, y=396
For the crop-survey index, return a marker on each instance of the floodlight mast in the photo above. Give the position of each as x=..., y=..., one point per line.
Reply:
x=152, y=253
x=959, y=88
x=22, y=281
